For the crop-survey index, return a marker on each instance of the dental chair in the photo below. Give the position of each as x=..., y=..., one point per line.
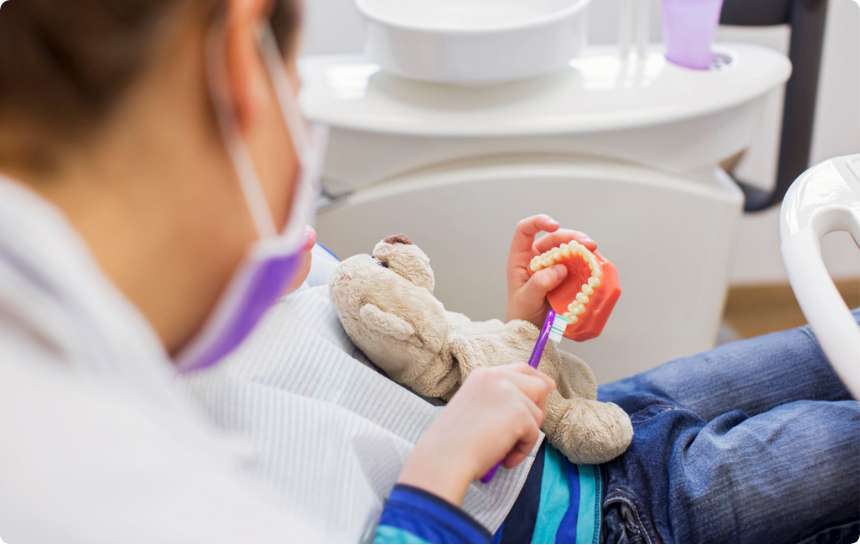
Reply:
x=626, y=147
x=825, y=199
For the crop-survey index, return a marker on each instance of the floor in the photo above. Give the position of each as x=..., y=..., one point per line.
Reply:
x=756, y=310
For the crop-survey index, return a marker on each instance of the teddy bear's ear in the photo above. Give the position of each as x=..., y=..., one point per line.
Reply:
x=386, y=324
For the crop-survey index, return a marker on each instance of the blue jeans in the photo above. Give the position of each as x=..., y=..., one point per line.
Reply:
x=754, y=442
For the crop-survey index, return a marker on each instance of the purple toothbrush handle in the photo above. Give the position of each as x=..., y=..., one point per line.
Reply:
x=534, y=360
x=491, y=473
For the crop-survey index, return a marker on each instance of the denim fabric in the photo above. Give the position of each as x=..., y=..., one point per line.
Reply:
x=754, y=442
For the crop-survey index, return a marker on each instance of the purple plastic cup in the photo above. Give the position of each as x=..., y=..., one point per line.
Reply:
x=689, y=29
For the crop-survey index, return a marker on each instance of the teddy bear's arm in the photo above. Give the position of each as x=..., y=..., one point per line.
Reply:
x=385, y=324
x=575, y=377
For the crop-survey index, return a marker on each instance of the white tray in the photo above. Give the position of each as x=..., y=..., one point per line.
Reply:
x=473, y=42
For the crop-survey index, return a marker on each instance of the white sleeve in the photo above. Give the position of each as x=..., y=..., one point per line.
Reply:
x=82, y=461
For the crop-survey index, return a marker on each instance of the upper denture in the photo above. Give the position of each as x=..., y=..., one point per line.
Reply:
x=588, y=294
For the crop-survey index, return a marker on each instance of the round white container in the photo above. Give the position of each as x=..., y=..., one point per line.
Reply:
x=473, y=42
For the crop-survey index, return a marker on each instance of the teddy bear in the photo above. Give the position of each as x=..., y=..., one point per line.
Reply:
x=386, y=305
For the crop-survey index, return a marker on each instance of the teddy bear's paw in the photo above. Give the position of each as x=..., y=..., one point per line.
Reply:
x=386, y=324
x=576, y=379
x=592, y=432
x=437, y=382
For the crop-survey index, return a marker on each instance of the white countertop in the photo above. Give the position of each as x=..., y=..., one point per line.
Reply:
x=598, y=93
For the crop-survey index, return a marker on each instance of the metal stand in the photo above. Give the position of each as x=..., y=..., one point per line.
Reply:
x=807, y=19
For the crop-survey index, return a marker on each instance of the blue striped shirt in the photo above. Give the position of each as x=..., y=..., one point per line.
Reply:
x=560, y=503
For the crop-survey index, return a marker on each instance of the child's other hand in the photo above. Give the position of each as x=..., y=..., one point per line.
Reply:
x=526, y=292
x=495, y=415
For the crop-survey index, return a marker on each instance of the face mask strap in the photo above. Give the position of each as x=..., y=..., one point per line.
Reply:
x=286, y=99
x=236, y=148
x=274, y=259
x=307, y=143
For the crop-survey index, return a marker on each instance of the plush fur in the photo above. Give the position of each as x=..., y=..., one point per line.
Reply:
x=387, y=307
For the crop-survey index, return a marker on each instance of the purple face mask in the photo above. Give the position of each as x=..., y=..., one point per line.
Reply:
x=274, y=260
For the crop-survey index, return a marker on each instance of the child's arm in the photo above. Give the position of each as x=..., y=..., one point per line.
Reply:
x=526, y=292
x=496, y=415
x=413, y=515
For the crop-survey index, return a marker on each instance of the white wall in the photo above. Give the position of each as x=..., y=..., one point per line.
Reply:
x=334, y=27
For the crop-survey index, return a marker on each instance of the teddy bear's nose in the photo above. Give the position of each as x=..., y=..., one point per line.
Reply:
x=380, y=262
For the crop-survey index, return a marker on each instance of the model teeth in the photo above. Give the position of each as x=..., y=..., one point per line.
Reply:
x=551, y=257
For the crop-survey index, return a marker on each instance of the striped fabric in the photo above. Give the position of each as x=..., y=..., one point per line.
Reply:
x=560, y=503
x=391, y=534
x=327, y=430
x=570, y=498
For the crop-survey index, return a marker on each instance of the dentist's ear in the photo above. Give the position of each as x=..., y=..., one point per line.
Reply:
x=245, y=71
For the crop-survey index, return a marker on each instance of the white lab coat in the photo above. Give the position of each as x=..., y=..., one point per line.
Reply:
x=294, y=440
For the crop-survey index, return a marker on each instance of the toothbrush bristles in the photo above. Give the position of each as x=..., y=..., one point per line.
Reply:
x=559, y=325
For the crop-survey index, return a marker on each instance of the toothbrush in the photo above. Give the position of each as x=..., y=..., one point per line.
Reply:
x=553, y=330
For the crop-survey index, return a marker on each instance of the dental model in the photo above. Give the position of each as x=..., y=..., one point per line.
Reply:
x=588, y=295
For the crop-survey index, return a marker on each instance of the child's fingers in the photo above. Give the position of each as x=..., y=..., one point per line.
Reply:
x=522, y=449
x=528, y=228
x=534, y=392
x=543, y=282
x=516, y=457
x=561, y=236
x=536, y=411
x=535, y=385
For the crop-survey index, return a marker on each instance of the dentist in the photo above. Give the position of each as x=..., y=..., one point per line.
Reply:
x=157, y=180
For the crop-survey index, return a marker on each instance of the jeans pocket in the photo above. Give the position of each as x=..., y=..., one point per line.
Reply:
x=622, y=522
x=650, y=412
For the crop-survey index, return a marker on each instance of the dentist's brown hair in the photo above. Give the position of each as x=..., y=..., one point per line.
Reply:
x=65, y=63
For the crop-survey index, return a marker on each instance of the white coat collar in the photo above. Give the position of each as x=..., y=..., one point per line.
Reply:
x=50, y=281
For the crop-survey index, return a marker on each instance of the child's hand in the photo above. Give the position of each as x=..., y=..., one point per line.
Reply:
x=527, y=292
x=495, y=415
